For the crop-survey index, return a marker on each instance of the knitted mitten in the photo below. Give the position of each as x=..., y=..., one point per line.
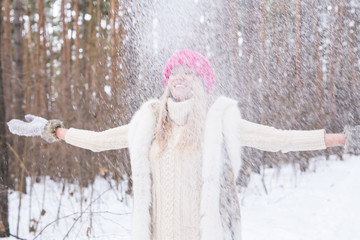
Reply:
x=352, y=139
x=36, y=126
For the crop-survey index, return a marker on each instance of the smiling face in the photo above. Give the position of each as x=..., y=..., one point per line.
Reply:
x=182, y=82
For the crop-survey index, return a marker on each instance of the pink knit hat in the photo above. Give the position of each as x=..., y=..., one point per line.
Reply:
x=197, y=62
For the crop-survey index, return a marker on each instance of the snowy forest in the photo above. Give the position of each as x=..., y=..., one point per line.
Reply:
x=291, y=64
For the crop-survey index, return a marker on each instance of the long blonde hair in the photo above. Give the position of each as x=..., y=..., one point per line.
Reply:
x=191, y=138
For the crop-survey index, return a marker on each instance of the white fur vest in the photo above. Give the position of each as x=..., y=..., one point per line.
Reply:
x=219, y=207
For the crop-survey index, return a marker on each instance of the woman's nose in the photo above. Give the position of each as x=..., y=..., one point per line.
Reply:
x=179, y=76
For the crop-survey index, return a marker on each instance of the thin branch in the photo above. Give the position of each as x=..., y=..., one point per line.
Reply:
x=81, y=213
x=22, y=164
x=75, y=213
x=17, y=237
x=72, y=226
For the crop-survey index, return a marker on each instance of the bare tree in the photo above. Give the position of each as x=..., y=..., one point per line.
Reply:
x=65, y=106
x=298, y=44
x=7, y=59
x=4, y=210
x=18, y=86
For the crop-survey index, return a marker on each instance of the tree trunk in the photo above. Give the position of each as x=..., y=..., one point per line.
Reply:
x=298, y=44
x=39, y=76
x=46, y=78
x=7, y=59
x=65, y=106
x=18, y=87
x=250, y=74
x=4, y=210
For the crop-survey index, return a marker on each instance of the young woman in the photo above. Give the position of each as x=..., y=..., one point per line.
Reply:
x=185, y=153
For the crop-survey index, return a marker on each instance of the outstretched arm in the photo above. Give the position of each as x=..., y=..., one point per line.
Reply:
x=271, y=139
x=53, y=131
x=111, y=139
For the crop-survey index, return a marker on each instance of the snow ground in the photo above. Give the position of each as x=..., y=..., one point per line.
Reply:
x=323, y=203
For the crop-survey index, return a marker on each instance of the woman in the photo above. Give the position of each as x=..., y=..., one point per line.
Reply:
x=185, y=153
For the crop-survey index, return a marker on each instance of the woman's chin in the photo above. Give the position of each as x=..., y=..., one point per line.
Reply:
x=181, y=98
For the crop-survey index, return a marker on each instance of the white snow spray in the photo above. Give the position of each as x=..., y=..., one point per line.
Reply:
x=168, y=26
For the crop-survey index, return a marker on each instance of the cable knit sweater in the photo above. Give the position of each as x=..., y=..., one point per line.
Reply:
x=176, y=183
x=176, y=178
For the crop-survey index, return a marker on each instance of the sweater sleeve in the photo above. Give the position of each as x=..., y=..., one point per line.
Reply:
x=271, y=139
x=111, y=139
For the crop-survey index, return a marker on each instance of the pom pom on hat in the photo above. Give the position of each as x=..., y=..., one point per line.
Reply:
x=195, y=61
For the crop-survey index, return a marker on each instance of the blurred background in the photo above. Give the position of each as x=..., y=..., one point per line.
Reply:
x=291, y=64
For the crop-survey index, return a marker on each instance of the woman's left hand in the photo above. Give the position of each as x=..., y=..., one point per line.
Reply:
x=352, y=139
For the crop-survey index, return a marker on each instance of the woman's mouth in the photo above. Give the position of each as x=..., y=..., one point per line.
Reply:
x=180, y=86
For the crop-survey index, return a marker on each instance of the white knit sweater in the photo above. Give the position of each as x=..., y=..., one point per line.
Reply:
x=175, y=177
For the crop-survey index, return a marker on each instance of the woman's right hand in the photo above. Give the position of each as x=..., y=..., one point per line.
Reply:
x=61, y=132
x=36, y=126
x=33, y=126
